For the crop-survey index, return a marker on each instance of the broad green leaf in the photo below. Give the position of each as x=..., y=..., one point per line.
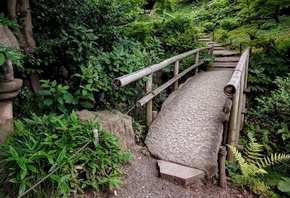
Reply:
x=22, y=188
x=61, y=155
x=13, y=152
x=59, y=99
x=23, y=173
x=32, y=168
x=65, y=177
x=55, y=178
x=43, y=92
x=48, y=102
x=62, y=108
x=21, y=164
x=14, y=180
x=2, y=58
x=87, y=105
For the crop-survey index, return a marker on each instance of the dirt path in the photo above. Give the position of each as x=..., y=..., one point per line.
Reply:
x=141, y=181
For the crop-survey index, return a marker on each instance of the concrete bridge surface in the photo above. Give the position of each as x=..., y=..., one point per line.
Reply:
x=188, y=129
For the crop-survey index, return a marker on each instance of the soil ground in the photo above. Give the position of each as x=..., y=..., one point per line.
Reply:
x=141, y=180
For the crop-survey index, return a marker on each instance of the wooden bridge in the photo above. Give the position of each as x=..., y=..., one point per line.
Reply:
x=201, y=115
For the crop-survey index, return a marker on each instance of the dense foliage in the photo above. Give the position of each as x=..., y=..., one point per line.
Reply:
x=43, y=144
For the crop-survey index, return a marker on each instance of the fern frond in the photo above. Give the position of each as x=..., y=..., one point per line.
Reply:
x=237, y=154
x=272, y=159
x=253, y=150
x=258, y=187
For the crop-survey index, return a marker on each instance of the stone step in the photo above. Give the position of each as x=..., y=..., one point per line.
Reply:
x=210, y=43
x=204, y=40
x=177, y=173
x=218, y=48
x=224, y=53
x=227, y=59
x=225, y=64
x=221, y=69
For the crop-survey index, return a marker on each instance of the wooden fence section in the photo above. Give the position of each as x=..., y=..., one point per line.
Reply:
x=235, y=105
x=149, y=71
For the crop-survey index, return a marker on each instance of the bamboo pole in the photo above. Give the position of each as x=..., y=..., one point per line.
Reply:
x=233, y=124
x=129, y=78
x=222, y=167
x=175, y=72
x=196, y=61
x=149, y=103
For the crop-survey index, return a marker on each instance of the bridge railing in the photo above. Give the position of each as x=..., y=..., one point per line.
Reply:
x=235, y=104
x=149, y=71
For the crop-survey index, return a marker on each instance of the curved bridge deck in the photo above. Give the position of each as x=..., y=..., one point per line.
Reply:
x=188, y=130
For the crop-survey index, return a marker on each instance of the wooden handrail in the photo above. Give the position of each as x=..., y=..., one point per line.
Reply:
x=235, y=89
x=148, y=71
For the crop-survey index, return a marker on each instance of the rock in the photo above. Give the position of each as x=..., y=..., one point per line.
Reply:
x=178, y=173
x=7, y=38
x=120, y=124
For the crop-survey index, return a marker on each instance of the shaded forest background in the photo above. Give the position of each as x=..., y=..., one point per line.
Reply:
x=74, y=49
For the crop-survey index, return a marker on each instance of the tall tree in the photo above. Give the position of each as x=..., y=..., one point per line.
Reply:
x=270, y=8
x=19, y=12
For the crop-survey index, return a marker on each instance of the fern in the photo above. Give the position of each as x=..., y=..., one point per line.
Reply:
x=253, y=164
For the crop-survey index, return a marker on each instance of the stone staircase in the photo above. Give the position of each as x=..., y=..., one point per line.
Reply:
x=224, y=59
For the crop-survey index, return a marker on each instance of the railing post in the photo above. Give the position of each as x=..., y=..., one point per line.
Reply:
x=233, y=124
x=196, y=61
x=175, y=72
x=149, y=103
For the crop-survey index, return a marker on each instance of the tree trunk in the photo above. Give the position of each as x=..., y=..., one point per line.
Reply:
x=19, y=11
x=276, y=15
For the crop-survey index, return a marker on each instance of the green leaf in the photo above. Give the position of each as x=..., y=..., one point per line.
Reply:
x=2, y=58
x=32, y=168
x=61, y=155
x=87, y=105
x=59, y=99
x=64, y=187
x=55, y=178
x=14, y=180
x=48, y=102
x=43, y=92
x=13, y=152
x=21, y=164
x=23, y=173
x=65, y=177
x=22, y=188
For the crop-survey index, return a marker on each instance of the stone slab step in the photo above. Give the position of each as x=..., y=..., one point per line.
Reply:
x=222, y=69
x=177, y=173
x=224, y=53
x=227, y=59
x=204, y=40
x=225, y=64
x=218, y=48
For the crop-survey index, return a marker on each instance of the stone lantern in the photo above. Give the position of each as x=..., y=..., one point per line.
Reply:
x=9, y=86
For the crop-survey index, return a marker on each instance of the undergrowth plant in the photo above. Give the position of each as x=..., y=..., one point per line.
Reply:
x=252, y=165
x=42, y=144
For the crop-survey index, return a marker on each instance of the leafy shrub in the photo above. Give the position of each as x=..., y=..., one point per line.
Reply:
x=221, y=35
x=209, y=26
x=178, y=35
x=229, y=24
x=42, y=144
x=267, y=63
x=140, y=31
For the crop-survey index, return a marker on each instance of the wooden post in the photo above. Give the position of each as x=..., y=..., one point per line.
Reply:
x=233, y=124
x=175, y=72
x=149, y=103
x=196, y=61
x=222, y=167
